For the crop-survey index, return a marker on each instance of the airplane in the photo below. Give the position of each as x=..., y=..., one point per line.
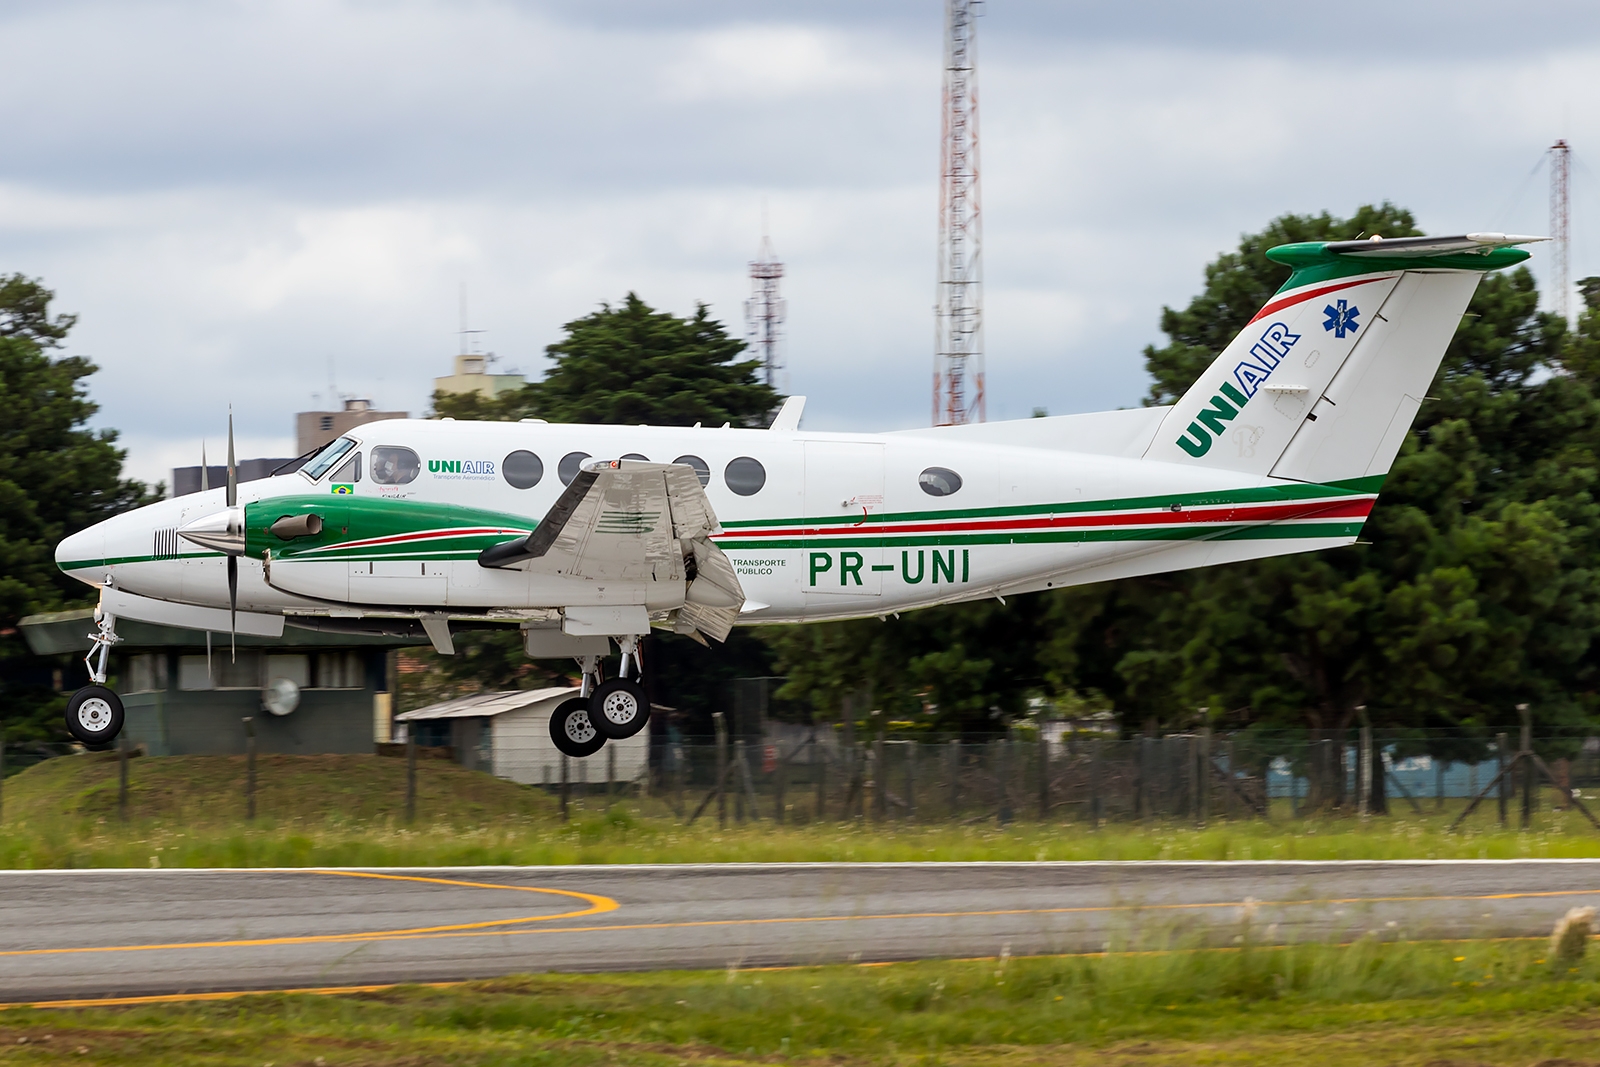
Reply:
x=589, y=536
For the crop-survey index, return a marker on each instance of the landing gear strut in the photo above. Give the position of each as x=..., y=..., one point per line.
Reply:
x=619, y=708
x=94, y=713
x=571, y=729
x=602, y=710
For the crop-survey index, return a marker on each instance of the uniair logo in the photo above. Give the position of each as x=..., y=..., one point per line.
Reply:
x=461, y=468
x=1248, y=376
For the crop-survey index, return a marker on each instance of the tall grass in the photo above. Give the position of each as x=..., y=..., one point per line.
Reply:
x=1248, y=1005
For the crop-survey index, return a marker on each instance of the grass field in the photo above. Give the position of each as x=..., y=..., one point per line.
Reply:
x=347, y=811
x=1441, y=1005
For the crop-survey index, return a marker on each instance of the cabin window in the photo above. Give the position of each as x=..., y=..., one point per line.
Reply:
x=522, y=469
x=635, y=455
x=702, y=469
x=349, y=474
x=569, y=466
x=323, y=461
x=939, y=481
x=393, y=465
x=745, y=476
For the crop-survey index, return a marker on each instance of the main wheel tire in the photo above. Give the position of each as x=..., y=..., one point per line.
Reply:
x=619, y=708
x=574, y=735
x=94, y=715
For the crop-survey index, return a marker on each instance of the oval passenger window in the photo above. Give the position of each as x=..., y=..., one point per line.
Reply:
x=394, y=465
x=569, y=466
x=635, y=455
x=522, y=469
x=939, y=481
x=702, y=469
x=745, y=476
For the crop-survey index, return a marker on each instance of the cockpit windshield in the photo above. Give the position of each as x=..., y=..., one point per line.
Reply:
x=323, y=461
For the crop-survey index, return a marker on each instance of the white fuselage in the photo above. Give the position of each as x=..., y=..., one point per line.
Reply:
x=840, y=527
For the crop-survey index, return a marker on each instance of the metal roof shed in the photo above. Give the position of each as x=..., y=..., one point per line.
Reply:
x=508, y=734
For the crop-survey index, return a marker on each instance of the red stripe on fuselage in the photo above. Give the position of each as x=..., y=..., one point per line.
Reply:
x=1340, y=509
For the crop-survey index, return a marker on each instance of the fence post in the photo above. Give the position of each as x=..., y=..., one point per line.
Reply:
x=953, y=758
x=1438, y=784
x=1002, y=772
x=1096, y=754
x=780, y=784
x=1044, y=777
x=411, y=773
x=611, y=773
x=911, y=781
x=1525, y=752
x=249, y=768
x=2, y=775
x=819, y=762
x=1505, y=782
x=1141, y=785
x=721, y=725
x=122, y=777
x=880, y=779
x=566, y=787
x=738, y=794
x=1196, y=788
x=1364, y=772
x=1233, y=780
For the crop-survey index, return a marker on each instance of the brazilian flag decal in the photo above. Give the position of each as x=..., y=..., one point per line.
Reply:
x=343, y=490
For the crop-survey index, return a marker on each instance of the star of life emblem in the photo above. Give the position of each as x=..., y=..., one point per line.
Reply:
x=1341, y=319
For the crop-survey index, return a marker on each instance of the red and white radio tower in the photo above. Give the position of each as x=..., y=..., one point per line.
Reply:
x=958, y=390
x=764, y=312
x=1560, y=229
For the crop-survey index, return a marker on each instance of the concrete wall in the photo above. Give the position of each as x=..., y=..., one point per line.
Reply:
x=174, y=722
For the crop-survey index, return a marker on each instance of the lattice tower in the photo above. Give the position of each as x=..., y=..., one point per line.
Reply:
x=765, y=311
x=958, y=376
x=1560, y=229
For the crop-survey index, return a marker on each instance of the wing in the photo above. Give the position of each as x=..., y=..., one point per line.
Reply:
x=624, y=520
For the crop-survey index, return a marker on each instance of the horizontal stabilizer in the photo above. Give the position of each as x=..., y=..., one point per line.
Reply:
x=1429, y=246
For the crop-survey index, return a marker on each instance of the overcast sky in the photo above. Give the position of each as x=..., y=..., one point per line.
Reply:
x=267, y=203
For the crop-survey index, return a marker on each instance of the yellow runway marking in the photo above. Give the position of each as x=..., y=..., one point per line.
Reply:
x=597, y=905
x=600, y=904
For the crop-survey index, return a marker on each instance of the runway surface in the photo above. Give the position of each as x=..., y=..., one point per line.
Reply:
x=102, y=933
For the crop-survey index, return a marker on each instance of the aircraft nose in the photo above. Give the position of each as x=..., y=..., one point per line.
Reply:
x=82, y=555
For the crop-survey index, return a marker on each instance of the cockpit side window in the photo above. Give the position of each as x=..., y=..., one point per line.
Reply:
x=349, y=474
x=394, y=465
x=323, y=461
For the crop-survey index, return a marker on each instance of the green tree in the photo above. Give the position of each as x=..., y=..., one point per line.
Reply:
x=1476, y=592
x=632, y=364
x=56, y=477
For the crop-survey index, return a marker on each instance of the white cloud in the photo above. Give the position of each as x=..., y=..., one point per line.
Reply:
x=244, y=200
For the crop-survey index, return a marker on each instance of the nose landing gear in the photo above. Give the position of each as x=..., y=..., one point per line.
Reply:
x=94, y=713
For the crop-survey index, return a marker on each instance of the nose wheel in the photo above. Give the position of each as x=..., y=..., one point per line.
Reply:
x=94, y=715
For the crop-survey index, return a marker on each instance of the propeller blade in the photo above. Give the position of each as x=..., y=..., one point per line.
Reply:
x=208, y=657
x=233, y=472
x=233, y=605
x=205, y=472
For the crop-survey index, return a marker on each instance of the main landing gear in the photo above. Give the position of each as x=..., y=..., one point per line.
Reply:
x=94, y=713
x=603, y=710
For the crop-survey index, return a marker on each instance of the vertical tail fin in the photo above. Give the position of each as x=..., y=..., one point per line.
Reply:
x=1324, y=382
